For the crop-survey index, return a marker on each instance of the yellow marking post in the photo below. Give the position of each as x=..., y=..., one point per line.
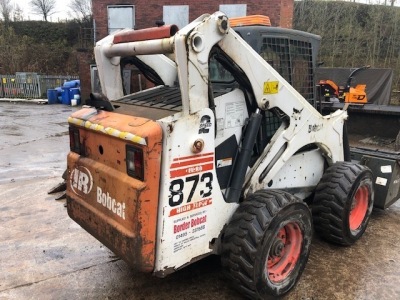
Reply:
x=271, y=87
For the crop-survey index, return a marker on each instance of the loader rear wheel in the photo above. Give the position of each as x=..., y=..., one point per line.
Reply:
x=266, y=244
x=343, y=203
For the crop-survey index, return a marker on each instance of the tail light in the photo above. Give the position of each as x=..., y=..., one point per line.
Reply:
x=74, y=140
x=134, y=162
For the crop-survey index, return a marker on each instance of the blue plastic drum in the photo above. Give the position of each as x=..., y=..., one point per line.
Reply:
x=52, y=96
x=65, y=97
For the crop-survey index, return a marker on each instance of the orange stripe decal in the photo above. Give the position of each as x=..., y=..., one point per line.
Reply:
x=190, y=206
x=193, y=156
x=194, y=169
x=191, y=162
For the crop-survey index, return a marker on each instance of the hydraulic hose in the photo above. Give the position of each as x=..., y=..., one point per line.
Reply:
x=234, y=189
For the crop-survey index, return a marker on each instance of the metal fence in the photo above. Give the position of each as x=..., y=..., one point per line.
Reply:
x=30, y=85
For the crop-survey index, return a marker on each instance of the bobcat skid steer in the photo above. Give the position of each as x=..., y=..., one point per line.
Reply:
x=191, y=167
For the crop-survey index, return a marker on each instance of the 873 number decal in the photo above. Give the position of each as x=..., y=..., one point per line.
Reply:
x=176, y=187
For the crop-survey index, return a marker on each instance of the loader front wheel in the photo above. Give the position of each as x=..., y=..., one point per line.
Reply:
x=343, y=203
x=266, y=244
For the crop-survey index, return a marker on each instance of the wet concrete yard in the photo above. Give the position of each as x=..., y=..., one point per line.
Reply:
x=45, y=255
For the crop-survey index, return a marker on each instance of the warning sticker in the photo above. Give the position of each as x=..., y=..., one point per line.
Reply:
x=386, y=169
x=234, y=115
x=225, y=162
x=381, y=181
x=220, y=127
x=271, y=87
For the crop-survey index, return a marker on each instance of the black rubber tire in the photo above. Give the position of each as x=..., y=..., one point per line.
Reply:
x=333, y=202
x=249, y=237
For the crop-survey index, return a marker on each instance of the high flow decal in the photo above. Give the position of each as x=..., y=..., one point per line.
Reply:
x=190, y=206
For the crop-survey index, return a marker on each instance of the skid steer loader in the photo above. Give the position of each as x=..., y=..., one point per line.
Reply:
x=191, y=167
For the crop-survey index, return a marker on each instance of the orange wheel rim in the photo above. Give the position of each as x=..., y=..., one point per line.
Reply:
x=359, y=208
x=284, y=252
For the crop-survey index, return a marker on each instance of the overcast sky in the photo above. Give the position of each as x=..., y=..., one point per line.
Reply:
x=61, y=10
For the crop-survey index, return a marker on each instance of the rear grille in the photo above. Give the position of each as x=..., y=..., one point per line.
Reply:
x=163, y=97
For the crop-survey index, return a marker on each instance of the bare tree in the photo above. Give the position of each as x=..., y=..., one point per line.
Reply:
x=82, y=9
x=18, y=13
x=43, y=7
x=5, y=10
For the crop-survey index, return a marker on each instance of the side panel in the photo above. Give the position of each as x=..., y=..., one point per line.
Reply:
x=192, y=210
x=301, y=174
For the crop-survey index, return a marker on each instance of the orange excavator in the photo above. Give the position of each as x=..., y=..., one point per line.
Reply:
x=356, y=95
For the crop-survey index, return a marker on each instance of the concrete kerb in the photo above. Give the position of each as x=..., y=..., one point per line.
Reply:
x=20, y=100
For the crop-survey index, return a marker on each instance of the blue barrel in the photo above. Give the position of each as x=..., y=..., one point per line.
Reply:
x=59, y=94
x=72, y=84
x=52, y=96
x=65, y=98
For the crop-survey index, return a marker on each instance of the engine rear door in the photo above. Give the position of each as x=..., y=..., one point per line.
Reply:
x=113, y=181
